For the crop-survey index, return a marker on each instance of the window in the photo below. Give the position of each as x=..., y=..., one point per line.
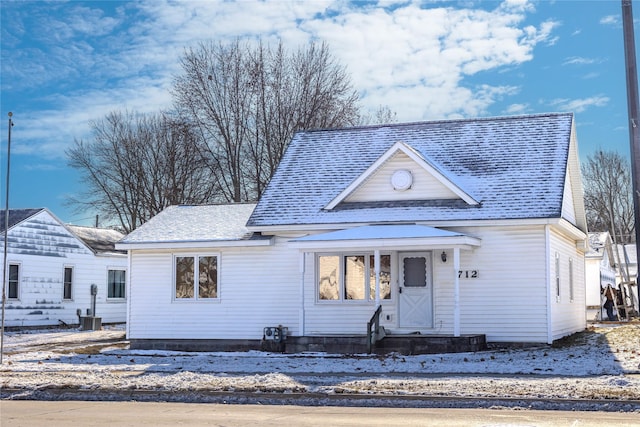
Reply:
x=14, y=281
x=352, y=277
x=67, y=283
x=571, y=279
x=115, y=284
x=385, y=277
x=557, y=277
x=205, y=276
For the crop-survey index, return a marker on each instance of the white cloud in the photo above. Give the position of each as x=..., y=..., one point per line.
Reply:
x=414, y=57
x=515, y=109
x=579, y=105
x=610, y=20
x=429, y=52
x=578, y=60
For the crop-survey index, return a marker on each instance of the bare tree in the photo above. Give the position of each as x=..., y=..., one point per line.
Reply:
x=608, y=196
x=248, y=100
x=136, y=165
x=382, y=115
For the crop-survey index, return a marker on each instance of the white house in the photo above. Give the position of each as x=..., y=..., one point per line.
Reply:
x=453, y=228
x=600, y=272
x=51, y=267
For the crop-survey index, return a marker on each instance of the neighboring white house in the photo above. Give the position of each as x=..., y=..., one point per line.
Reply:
x=600, y=272
x=51, y=267
x=452, y=227
x=626, y=274
x=615, y=265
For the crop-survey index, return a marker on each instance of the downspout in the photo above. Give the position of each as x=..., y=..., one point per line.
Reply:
x=547, y=250
x=301, y=269
x=456, y=292
x=128, y=294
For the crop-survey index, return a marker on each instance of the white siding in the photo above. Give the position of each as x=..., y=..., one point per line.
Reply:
x=259, y=286
x=568, y=316
x=42, y=248
x=593, y=297
x=378, y=186
x=507, y=301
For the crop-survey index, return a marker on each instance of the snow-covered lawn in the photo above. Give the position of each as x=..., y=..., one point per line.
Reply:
x=600, y=363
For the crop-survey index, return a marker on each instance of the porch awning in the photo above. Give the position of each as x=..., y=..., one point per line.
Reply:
x=403, y=236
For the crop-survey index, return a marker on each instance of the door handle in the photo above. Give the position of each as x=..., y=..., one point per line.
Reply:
x=400, y=290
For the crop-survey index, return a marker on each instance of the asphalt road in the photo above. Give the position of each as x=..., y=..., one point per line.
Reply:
x=33, y=413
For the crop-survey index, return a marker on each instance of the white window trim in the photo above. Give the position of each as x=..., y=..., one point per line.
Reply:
x=368, y=300
x=195, y=277
x=126, y=275
x=73, y=280
x=19, y=264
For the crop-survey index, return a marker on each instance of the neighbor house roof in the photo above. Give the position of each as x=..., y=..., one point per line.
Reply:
x=100, y=240
x=193, y=224
x=515, y=167
x=16, y=216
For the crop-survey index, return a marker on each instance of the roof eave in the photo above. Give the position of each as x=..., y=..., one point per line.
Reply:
x=192, y=244
x=420, y=243
x=303, y=228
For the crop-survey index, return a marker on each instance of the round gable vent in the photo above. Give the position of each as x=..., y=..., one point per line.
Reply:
x=401, y=180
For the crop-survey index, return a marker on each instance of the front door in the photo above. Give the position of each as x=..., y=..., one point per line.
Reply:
x=415, y=299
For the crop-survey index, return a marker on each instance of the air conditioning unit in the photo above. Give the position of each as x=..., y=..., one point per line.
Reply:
x=275, y=333
x=91, y=323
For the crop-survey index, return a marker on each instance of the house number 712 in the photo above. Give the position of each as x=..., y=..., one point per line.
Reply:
x=468, y=274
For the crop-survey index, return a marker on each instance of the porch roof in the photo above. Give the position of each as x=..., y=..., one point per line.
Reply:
x=400, y=236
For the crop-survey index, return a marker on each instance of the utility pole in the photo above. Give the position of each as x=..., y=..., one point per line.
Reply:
x=6, y=234
x=634, y=125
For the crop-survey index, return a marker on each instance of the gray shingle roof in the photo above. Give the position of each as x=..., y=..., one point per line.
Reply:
x=515, y=166
x=16, y=216
x=100, y=240
x=195, y=224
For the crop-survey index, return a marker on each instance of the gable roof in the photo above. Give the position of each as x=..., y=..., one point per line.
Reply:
x=514, y=166
x=100, y=240
x=183, y=225
x=16, y=216
x=428, y=165
x=39, y=232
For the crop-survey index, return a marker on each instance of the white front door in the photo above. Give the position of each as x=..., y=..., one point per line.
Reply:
x=415, y=299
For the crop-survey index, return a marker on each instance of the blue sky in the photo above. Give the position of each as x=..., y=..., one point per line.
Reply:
x=65, y=64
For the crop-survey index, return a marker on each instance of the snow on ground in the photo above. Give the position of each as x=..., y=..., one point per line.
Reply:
x=600, y=363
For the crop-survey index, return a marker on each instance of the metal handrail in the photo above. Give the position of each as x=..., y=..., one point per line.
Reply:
x=372, y=335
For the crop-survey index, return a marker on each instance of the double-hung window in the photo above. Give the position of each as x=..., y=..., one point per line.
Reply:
x=116, y=284
x=352, y=277
x=67, y=286
x=14, y=281
x=196, y=277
